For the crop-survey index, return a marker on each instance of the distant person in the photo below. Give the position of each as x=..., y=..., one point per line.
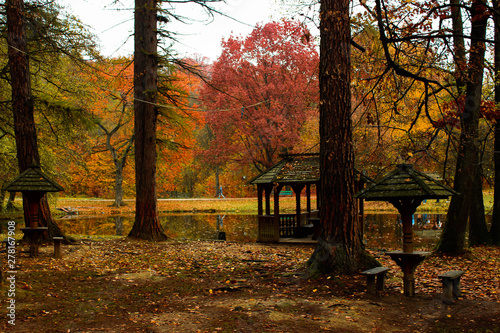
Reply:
x=220, y=192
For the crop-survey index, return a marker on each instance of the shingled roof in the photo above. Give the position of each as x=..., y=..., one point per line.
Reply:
x=296, y=168
x=406, y=182
x=33, y=180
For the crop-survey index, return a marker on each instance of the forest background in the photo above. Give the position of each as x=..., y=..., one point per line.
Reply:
x=223, y=123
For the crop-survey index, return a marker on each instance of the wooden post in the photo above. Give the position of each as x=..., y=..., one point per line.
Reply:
x=407, y=233
x=259, y=199
x=277, y=189
x=268, y=189
x=298, y=227
x=57, y=247
x=308, y=195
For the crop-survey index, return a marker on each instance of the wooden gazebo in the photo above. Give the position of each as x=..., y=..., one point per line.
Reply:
x=299, y=172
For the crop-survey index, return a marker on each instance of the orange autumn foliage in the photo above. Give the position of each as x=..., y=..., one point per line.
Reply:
x=111, y=102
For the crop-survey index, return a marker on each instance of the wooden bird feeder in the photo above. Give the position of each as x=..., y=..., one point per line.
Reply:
x=405, y=188
x=33, y=184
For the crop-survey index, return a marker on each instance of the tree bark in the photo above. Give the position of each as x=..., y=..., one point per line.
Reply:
x=478, y=229
x=22, y=107
x=2, y=199
x=468, y=158
x=146, y=225
x=340, y=248
x=495, y=221
x=119, y=163
x=118, y=186
x=10, y=202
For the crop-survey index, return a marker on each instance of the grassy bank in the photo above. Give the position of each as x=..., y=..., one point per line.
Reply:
x=230, y=205
x=93, y=206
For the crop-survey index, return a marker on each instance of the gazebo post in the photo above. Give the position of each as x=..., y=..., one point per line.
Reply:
x=406, y=208
x=308, y=195
x=32, y=199
x=32, y=231
x=298, y=190
x=277, y=189
x=407, y=233
x=318, y=196
x=260, y=189
x=268, y=190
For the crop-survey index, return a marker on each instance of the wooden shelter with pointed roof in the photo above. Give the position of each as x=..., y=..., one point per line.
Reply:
x=297, y=171
x=33, y=184
x=406, y=188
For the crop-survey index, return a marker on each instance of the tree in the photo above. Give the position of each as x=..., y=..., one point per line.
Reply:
x=113, y=115
x=146, y=224
x=178, y=125
x=468, y=175
x=261, y=91
x=495, y=223
x=397, y=36
x=22, y=106
x=340, y=247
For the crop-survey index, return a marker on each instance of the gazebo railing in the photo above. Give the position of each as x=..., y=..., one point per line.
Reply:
x=288, y=227
x=267, y=232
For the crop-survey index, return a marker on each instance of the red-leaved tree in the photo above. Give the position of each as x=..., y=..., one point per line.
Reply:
x=261, y=91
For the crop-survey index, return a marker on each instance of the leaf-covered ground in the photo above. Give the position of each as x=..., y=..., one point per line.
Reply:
x=130, y=286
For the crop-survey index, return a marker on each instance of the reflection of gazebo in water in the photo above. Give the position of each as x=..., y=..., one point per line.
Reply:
x=297, y=171
x=406, y=188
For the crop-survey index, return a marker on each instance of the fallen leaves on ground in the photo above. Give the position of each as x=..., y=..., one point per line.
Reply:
x=124, y=285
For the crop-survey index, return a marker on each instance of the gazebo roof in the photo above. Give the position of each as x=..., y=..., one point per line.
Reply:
x=406, y=182
x=296, y=168
x=33, y=180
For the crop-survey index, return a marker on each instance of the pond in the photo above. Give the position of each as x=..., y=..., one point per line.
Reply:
x=385, y=231
x=381, y=231
x=238, y=228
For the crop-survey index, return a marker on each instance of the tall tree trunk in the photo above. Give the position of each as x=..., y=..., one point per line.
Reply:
x=2, y=199
x=118, y=185
x=495, y=221
x=146, y=225
x=217, y=181
x=478, y=229
x=10, y=202
x=468, y=158
x=22, y=106
x=340, y=247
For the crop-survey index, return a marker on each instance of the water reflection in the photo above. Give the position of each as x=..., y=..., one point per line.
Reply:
x=237, y=228
x=384, y=231
x=381, y=231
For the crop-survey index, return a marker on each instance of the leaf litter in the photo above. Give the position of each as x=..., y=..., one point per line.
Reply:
x=124, y=285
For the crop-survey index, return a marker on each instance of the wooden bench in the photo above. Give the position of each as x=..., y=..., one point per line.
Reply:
x=286, y=192
x=451, y=285
x=371, y=274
